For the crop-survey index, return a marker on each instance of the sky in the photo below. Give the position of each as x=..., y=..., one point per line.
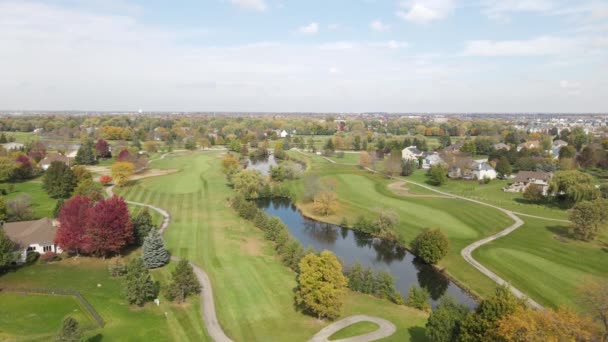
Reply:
x=407, y=56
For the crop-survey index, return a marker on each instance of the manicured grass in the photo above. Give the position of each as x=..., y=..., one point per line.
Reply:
x=124, y=322
x=42, y=204
x=540, y=259
x=157, y=218
x=348, y=158
x=253, y=290
x=38, y=316
x=359, y=328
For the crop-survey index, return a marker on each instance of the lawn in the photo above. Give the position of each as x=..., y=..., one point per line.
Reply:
x=38, y=315
x=124, y=322
x=253, y=290
x=359, y=328
x=42, y=204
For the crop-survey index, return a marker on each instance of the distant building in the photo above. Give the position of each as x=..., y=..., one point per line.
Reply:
x=46, y=162
x=411, y=153
x=284, y=134
x=481, y=169
x=13, y=146
x=454, y=148
x=501, y=146
x=431, y=159
x=524, y=179
x=33, y=236
x=528, y=145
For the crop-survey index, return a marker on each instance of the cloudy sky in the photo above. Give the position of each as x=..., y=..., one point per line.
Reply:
x=313, y=55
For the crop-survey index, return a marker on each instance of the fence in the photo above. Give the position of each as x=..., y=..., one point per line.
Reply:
x=61, y=292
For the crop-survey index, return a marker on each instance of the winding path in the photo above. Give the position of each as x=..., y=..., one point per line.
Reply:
x=385, y=329
x=467, y=252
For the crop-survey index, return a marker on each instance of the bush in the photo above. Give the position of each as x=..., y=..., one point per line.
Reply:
x=49, y=257
x=431, y=245
x=32, y=257
x=117, y=267
x=340, y=155
x=438, y=174
x=418, y=298
x=533, y=193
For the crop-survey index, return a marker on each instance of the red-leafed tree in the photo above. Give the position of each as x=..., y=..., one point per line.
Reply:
x=109, y=229
x=37, y=151
x=105, y=180
x=124, y=155
x=73, y=221
x=25, y=167
x=102, y=148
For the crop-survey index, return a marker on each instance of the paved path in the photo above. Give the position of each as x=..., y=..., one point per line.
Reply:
x=385, y=329
x=468, y=250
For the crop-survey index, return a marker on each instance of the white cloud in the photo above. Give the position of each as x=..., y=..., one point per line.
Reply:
x=391, y=44
x=338, y=46
x=425, y=11
x=253, y=5
x=312, y=28
x=379, y=26
x=500, y=9
x=540, y=46
x=571, y=87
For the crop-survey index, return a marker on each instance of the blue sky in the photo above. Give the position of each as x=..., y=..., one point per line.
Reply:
x=321, y=56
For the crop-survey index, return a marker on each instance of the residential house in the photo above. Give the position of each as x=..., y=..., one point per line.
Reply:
x=410, y=153
x=524, y=179
x=556, y=146
x=454, y=148
x=431, y=159
x=13, y=146
x=529, y=145
x=33, y=236
x=481, y=169
x=501, y=146
x=284, y=134
x=46, y=162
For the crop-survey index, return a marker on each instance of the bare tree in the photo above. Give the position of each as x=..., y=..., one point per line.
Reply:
x=20, y=208
x=594, y=298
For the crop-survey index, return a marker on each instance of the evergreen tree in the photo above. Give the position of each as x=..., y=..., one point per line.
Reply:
x=503, y=167
x=368, y=284
x=58, y=206
x=418, y=298
x=329, y=145
x=3, y=139
x=70, y=331
x=7, y=250
x=154, y=253
x=85, y=154
x=355, y=277
x=142, y=225
x=183, y=283
x=385, y=286
x=442, y=325
x=59, y=180
x=139, y=286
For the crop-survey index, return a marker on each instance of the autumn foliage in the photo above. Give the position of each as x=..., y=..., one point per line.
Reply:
x=105, y=180
x=94, y=228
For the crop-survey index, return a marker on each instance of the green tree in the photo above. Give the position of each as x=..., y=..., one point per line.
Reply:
x=59, y=180
x=86, y=154
x=139, y=286
x=469, y=146
x=248, y=183
x=142, y=225
x=385, y=287
x=70, y=331
x=418, y=297
x=154, y=253
x=533, y=193
x=355, y=277
x=574, y=186
x=567, y=152
x=408, y=166
x=329, y=145
x=183, y=282
x=503, y=167
x=431, y=245
x=7, y=250
x=438, y=174
x=3, y=209
x=321, y=285
x=58, y=206
x=8, y=168
x=442, y=325
x=589, y=218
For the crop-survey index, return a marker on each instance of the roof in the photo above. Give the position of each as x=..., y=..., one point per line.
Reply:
x=523, y=176
x=13, y=145
x=530, y=144
x=54, y=157
x=500, y=146
x=412, y=150
x=454, y=147
x=559, y=143
x=26, y=233
x=482, y=165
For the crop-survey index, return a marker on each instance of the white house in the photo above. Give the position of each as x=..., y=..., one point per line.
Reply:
x=528, y=145
x=501, y=146
x=33, y=236
x=13, y=146
x=46, y=162
x=431, y=159
x=410, y=153
x=482, y=169
x=526, y=178
x=283, y=134
x=556, y=146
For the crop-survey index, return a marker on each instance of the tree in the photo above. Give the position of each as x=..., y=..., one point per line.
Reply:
x=102, y=149
x=545, y=325
x=329, y=145
x=59, y=180
x=230, y=165
x=431, y=245
x=154, y=252
x=73, y=219
x=418, y=297
x=150, y=146
x=325, y=203
x=593, y=297
x=58, y=206
x=503, y=167
x=355, y=277
x=105, y=180
x=392, y=165
x=122, y=171
x=438, y=174
x=469, y=146
x=109, y=228
x=70, y=331
x=573, y=186
x=321, y=285
x=139, y=286
x=3, y=209
x=442, y=325
x=248, y=183
x=7, y=250
x=124, y=155
x=7, y=169
x=386, y=222
x=408, y=166
x=24, y=168
x=85, y=154
x=533, y=193
x=90, y=189
x=183, y=282
x=20, y=208
x=567, y=152
x=142, y=225
x=589, y=218
x=385, y=287
x=365, y=160
x=81, y=173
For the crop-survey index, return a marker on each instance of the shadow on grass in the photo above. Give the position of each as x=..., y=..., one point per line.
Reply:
x=562, y=233
x=96, y=338
x=559, y=205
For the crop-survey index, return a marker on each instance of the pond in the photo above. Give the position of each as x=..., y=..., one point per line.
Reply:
x=261, y=164
x=352, y=246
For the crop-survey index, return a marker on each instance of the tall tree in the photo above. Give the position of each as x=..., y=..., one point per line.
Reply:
x=73, y=221
x=139, y=286
x=183, y=282
x=594, y=299
x=7, y=169
x=431, y=245
x=574, y=186
x=325, y=203
x=589, y=218
x=321, y=285
x=121, y=172
x=109, y=229
x=248, y=183
x=142, y=225
x=20, y=208
x=102, y=149
x=503, y=167
x=85, y=154
x=438, y=174
x=59, y=180
x=70, y=331
x=7, y=250
x=418, y=298
x=154, y=252
x=442, y=325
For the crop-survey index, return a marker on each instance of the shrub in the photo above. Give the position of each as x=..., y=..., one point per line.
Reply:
x=105, y=180
x=533, y=193
x=418, y=298
x=431, y=245
x=438, y=174
x=117, y=267
x=49, y=257
x=32, y=257
x=183, y=282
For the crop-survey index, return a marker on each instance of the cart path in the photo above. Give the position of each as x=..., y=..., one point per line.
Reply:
x=385, y=329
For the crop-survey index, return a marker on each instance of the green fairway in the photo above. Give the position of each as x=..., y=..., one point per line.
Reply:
x=38, y=316
x=540, y=260
x=253, y=290
x=42, y=204
x=124, y=322
x=358, y=328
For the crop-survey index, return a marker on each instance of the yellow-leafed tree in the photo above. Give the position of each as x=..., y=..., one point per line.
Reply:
x=325, y=203
x=122, y=171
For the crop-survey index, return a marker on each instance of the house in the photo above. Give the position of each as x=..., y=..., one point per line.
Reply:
x=46, y=162
x=431, y=159
x=33, y=236
x=501, y=146
x=523, y=179
x=410, y=153
x=284, y=134
x=13, y=146
x=556, y=146
x=528, y=145
x=454, y=172
x=71, y=154
x=481, y=169
x=454, y=148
